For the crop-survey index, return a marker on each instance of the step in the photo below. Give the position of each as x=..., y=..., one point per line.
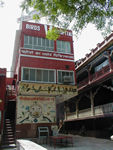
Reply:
x=9, y=135
x=9, y=129
x=8, y=125
x=7, y=120
x=8, y=138
x=8, y=146
x=9, y=141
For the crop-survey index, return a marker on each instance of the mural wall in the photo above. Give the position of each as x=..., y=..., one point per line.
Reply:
x=36, y=103
x=44, y=89
x=36, y=109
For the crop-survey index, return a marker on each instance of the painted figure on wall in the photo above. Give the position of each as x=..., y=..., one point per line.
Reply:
x=36, y=111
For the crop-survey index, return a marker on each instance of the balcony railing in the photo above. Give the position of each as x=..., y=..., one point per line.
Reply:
x=71, y=116
x=11, y=92
x=83, y=83
x=86, y=113
x=94, y=77
x=104, y=109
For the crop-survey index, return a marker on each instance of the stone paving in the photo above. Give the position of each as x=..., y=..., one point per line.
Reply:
x=83, y=143
x=86, y=143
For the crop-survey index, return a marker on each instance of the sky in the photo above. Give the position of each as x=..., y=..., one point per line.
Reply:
x=9, y=14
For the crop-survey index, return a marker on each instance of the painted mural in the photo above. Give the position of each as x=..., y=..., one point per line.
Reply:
x=44, y=89
x=34, y=109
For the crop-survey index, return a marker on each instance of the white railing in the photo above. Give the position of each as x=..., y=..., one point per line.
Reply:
x=71, y=116
x=98, y=110
x=104, y=109
x=85, y=113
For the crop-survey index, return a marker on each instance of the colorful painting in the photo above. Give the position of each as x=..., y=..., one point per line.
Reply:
x=46, y=89
x=34, y=109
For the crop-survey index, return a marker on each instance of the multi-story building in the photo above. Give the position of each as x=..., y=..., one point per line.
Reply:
x=45, y=77
x=92, y=109
x=7, y=109
x=2, y=95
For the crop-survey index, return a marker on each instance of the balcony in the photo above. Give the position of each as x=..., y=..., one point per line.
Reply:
x=101, y=110
x=104, y=109
x=94, y=77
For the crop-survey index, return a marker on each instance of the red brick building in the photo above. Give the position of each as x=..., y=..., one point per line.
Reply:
x=7, y=108
x=2, y=94
x=45, y=77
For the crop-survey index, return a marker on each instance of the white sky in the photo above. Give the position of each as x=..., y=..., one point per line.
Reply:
x=8, y=26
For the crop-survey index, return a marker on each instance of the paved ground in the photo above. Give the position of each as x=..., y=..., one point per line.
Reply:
x=83, y=143
x=87, y=143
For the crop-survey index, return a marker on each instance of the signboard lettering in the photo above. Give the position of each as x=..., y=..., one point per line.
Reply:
x=33, y=27
x=47, y=54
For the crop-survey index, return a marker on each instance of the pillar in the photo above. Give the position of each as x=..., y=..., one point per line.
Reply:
x=109, y=58
x=92, y=103
x=77, y=108
x=88, y=70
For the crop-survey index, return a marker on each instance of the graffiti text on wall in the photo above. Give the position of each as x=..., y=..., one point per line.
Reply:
x=53, y=89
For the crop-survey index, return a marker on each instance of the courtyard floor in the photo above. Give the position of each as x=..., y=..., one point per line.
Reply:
x=81, y=143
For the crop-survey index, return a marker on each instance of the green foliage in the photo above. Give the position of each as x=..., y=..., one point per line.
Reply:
x=75, y=14
x=53, y=34
x=36, y=17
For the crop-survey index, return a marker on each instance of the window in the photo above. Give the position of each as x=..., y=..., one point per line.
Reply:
x=66, y=77
x=38, y=75
x=38, y=43
x=25, y=74
x=32, y=74
x=63, y=46
x=99, y=67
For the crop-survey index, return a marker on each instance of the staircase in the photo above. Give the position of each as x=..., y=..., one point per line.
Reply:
x=8, y=138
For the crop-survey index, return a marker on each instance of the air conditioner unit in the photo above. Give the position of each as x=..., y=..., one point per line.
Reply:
x=67, y=79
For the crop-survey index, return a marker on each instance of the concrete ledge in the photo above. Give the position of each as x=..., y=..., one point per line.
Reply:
x=28, y=145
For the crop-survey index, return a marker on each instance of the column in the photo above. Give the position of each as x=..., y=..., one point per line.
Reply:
x=88, y=70
x=92, y=103
x=77, y=108
x=109, y=58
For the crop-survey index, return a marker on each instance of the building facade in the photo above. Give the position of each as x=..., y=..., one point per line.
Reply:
x=91, y=111
x=2, y=95
x=45, y=77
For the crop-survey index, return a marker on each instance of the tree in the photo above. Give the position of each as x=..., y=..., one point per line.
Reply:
x=75, y=14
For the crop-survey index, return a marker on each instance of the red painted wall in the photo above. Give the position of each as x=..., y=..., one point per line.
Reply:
x=42, y=33
x=2, y=93
x=2, y=87
x=45, y=63
x=34, y=60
